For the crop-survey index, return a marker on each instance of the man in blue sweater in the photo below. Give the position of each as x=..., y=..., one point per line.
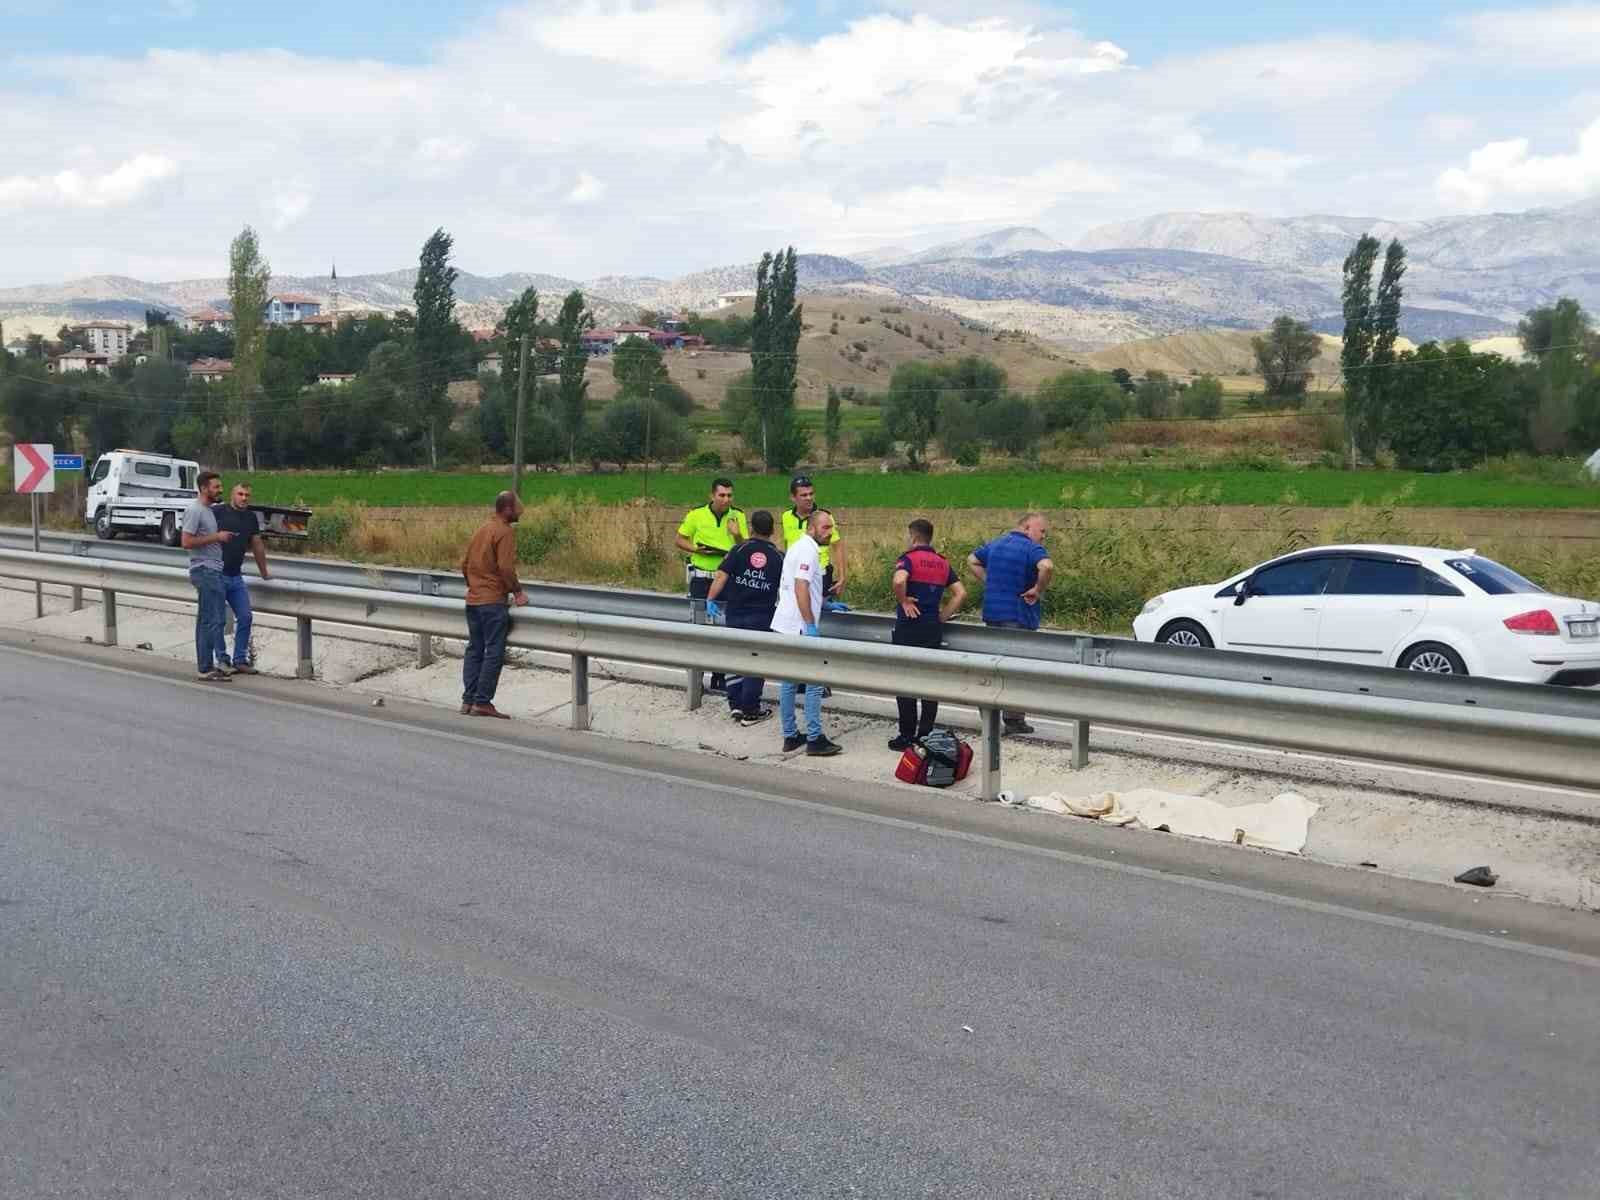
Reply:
x=1014, y=569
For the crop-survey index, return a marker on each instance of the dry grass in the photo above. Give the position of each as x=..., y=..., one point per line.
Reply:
x=1109, y=561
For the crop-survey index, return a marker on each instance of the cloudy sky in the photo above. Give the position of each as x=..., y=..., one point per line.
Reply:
x=591, y=137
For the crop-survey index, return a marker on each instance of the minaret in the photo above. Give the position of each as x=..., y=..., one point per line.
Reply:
x=333, y=305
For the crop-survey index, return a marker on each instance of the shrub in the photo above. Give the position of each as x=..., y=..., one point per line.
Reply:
x=872, y=443
x=704, y=460
x=332, y=526
x=1203, y=398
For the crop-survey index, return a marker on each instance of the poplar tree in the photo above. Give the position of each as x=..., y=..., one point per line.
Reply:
x=573, y=389
x=435, y=297
x=774, y=359
x=1380, y=390
x=249, y=281
x=1355, y=359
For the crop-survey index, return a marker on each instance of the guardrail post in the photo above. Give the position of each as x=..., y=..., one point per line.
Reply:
x=77, y=597
x=108, y=610
x=427, y=586
x=580, y=691
x=303, y=629
x=697, y=616
x=1080, y=744
x=989, y=770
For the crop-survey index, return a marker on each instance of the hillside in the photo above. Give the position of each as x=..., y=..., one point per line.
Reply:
x=863, y=353
x=1227, y=354
x=1466, y=274
x=1470, y=276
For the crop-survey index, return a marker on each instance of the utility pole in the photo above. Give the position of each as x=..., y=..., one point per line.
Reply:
x=649, y=408
x=516, y=437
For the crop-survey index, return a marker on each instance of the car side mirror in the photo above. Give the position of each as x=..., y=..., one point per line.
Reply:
x=1241, y=593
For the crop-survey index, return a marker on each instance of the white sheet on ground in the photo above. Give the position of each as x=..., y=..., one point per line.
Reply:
x=1282, y=823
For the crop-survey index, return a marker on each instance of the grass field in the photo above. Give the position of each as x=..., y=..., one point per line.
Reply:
x=1108, y=561
x=1117, y=487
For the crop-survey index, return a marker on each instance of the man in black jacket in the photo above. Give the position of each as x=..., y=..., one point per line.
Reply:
x=745, y=590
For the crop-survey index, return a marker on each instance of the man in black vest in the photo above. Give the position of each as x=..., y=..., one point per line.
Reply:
x=745, y=592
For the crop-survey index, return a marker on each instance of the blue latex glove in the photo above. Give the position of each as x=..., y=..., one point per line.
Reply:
x=714, y=609
x=835, y=606
x=809, y=630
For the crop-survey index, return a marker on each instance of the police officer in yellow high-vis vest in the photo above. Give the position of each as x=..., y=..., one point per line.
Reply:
x=830, y=553
x=803, y=494
x=706, y=534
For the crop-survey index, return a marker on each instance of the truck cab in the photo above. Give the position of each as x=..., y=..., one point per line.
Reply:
x=137, y=492
x=134, y=492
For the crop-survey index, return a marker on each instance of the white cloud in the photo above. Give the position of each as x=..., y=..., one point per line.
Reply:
x=1448, y=127
x=887, y=76
x=289, y=203
x=679, y=39
x=1353, y=72
x=1560, y=36
x=72, y=188
x=697, y=132
x=1507, y=172
x=587, y=190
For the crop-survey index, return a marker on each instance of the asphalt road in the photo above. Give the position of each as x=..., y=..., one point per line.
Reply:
x=249, y=948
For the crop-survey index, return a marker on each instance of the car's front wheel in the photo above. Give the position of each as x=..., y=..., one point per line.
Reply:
x=1186, y=633
x=1434, y=658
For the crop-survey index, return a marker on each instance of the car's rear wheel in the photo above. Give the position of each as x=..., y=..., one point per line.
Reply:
x=1186, y=633
x=169, y=530
x=1434, y=658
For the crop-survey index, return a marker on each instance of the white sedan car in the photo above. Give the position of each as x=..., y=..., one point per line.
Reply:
x=1420, y=609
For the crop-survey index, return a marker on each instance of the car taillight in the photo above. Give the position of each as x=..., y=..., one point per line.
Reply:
x=1540, y=620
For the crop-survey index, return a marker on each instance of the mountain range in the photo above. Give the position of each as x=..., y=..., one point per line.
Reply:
x=1467, y=276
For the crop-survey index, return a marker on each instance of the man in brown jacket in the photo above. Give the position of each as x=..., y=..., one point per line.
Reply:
x=490, y=569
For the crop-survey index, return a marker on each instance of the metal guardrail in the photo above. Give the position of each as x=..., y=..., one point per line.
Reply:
x=1046, y=646
x=1278, y=671
x=1509, y=744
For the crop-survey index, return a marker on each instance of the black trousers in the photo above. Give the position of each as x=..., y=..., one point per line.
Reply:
x=911, y=723
x=744, y=691
x=697, y=591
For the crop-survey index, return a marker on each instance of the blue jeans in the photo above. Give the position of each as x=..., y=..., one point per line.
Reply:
x=208, y=621
x=786, y=691
x=238, y=598
x=487, y=627
x=1010, y=716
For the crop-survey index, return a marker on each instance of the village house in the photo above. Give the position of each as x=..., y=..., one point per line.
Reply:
x=75, y=362
x=599, y=342
x=489, y=364
x=205, y=320
x=285, y=308
x=210, y=370
x=627, y=333
x=109, y=338
x=318, y=323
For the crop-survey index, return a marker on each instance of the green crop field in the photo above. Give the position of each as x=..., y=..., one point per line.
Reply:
x=1121, y=487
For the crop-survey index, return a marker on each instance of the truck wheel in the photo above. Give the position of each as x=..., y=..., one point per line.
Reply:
x=102, y=525
x=169, y=530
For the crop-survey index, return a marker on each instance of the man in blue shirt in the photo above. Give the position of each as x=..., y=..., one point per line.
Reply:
x=1014, y=569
